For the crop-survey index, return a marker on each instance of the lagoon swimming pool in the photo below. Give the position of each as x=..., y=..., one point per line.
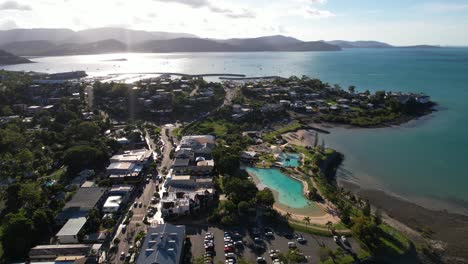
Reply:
x=288, y=191
x=290, y=159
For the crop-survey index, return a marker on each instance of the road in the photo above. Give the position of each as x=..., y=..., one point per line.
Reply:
x=144, y=194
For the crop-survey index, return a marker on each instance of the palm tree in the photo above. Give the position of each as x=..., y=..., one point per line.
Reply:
x=329, y=225
x=288, y=215
x=307, y=220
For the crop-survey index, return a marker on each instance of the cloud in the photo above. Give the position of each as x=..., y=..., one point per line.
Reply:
x=13, y=5
x=231, y=13
x=8, y=24
x=317, y=13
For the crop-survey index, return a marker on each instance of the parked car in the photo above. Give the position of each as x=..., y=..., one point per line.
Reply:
x=122, y=255
x=140, y=204
x=261, y=260
x=124, y=228
x=344, y=240
x=301, y=239
x=336, y=239
x=292, y=245
x=228, y=249
x=230, y=255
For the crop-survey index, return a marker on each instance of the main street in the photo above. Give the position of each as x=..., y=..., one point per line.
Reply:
x=144, y=194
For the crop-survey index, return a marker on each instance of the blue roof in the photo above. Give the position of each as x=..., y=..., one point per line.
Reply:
x=163, y=245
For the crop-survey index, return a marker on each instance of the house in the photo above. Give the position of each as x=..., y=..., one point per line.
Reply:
x=65, y=253
x=68, y=234
x=248, y=156
x=424, y=99
x=163, y=244
x=403, y=99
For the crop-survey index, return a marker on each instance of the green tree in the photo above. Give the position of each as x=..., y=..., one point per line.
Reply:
x=84, y=157
x=239, y=189
x=352, y=89
x=265, y=198
x=366, y=211
x=30, y=194
x=87, y=131
x=307, y=220
x=16, y=237
x=366, y=230
x=243, y=208
x=41, y=224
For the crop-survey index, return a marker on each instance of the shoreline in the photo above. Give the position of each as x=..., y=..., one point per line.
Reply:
x=445, y=229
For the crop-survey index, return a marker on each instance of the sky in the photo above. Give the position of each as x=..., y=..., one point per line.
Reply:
x=398, y=22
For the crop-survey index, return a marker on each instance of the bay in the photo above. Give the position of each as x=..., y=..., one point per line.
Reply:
x=424, y=160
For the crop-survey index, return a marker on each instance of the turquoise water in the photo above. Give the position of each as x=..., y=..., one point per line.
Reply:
x=293, y=159
x=425, y=159
x=289, y=190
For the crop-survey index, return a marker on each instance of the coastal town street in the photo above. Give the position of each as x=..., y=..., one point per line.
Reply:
x=143, y=199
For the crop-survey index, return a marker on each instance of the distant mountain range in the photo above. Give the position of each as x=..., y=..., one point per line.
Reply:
x=371, y=45
x=58, y=42
x=7, y=58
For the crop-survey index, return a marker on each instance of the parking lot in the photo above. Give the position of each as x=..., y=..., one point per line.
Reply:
x=251, y=249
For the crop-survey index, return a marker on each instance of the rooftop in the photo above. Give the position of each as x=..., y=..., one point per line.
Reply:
x=72, y=227
x=86, y=197
x=120, y=166
x=162, y=245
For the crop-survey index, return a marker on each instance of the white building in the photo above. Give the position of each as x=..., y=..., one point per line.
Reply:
x=69, y=232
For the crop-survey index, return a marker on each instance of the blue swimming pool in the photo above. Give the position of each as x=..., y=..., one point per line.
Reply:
x=290, y=159
x=288, y=190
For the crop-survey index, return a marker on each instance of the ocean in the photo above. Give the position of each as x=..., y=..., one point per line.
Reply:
x=423, y=160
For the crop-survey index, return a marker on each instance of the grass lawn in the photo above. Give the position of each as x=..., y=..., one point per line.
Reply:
x=393, y=240
x=56, y=175
x=271, y=136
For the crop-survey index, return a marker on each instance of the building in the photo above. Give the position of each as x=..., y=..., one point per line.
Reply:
x=118, y=195
x=65, y=253
x=82, y=202
x=138, y=156
x=127, y=167
x=193, y=156
x=163, y=245
x=69, y=232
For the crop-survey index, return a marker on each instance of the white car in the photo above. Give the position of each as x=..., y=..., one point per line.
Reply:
x=230, y=255
x=343, y=239
x=301, y=239
x=335, y=238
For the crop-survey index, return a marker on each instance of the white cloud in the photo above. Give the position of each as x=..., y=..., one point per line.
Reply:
x=13, y=5
x=231, y=13
x=312, y=12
